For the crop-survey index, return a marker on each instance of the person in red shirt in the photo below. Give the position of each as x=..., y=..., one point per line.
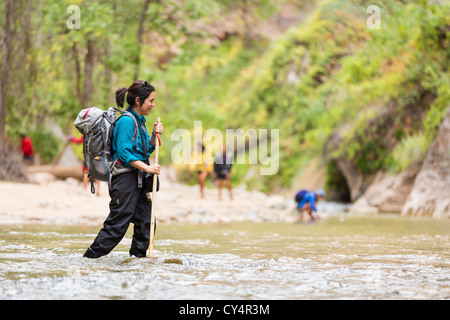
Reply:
x=27, y=148
x=76, y=140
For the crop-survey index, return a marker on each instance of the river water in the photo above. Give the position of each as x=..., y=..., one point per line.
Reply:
x=344, y=257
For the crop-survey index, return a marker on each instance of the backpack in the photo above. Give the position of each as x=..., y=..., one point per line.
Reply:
x=97, y=126
x=299, y=195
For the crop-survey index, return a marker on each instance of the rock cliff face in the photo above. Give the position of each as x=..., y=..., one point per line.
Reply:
x=387, y=193
x=430, y=194
x=419, y=191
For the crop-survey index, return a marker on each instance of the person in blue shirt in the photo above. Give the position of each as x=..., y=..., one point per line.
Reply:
x=129, y=202
x=307, y=203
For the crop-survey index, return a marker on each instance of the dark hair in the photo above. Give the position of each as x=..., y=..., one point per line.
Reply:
x=139, y=89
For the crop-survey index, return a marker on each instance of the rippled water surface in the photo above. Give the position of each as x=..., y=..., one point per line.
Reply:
x=344, y=257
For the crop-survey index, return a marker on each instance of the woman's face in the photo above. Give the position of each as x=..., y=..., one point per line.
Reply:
x=149, y=103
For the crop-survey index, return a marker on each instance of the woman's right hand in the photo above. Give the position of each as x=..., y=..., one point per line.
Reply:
x=153, y=168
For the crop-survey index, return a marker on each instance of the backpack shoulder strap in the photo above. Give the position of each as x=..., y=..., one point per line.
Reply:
x=129, y=114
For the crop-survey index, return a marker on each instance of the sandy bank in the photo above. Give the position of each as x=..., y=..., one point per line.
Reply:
x=52, y=201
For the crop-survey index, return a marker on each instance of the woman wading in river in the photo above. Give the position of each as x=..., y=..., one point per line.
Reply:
x=129, y=201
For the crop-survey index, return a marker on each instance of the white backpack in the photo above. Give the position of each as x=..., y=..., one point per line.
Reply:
x=97, y=126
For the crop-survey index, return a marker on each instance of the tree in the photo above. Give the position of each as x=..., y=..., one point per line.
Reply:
x=10, y=13
x=140, y=32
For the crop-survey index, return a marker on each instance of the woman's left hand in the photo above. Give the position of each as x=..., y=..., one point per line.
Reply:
x=158, y=128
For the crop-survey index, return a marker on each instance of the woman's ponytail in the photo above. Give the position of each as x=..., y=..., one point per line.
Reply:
x=120, y=96
x=139, y=89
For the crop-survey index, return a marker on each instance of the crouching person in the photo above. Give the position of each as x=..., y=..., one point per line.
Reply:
x=307, y=204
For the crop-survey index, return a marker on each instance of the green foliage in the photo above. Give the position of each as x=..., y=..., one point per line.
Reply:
x=44, y=143
x=332, y=76
x=411, y=150
x=438, y=109
x=334, y=88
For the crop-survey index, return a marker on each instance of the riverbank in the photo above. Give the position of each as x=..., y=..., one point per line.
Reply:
x=65, y=202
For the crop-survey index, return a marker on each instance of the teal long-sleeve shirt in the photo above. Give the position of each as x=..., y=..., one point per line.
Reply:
x=123, y=145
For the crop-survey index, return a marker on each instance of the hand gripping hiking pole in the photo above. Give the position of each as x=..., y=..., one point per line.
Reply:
x=155, y=182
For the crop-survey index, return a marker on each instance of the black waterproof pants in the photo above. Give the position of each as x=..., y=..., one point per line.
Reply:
x=128, y=204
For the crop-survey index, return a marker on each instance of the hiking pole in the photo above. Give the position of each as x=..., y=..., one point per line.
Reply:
x=155, y=182
x=153, y=215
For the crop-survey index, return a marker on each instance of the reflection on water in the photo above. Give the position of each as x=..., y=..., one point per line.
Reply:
x=386, y=257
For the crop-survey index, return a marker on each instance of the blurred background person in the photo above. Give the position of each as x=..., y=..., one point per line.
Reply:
x=307, y=204
x=27, y=148
x=222, y=168
x=202, y=165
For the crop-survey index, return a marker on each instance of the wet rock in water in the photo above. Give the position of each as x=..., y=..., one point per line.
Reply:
x=173, y=260
x=152, y=260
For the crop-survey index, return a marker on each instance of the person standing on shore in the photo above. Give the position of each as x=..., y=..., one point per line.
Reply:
x=203, y=166
x=129, y=202
x=222, y=168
